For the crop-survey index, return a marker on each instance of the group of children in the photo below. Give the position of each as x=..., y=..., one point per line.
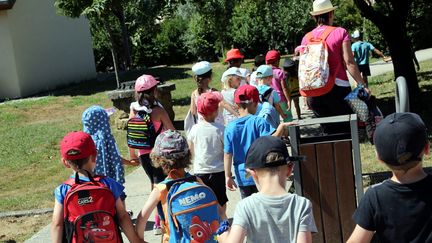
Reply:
x=231, y=131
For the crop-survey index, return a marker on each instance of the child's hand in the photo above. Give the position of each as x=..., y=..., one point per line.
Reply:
x=132, y=162
x=230, y=184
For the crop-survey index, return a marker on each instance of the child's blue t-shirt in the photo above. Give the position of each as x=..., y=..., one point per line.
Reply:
x=238, y=137
x=116, y=188
x=361, y=51
x=269, y=113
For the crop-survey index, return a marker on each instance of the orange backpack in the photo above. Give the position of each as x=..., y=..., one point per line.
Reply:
x=314, y=70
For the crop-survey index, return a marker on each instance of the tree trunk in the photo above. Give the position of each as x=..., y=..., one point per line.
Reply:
x=400, y=48
x=113, y=50
x=125, y=37
x=393, y=28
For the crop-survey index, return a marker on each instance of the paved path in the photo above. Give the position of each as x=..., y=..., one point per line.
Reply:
x=138, y=185
x=380, y=67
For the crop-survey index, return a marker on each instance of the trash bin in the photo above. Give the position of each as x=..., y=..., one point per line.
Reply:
x=330, y=176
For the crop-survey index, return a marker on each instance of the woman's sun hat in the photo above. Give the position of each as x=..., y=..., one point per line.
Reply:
x=321, y=7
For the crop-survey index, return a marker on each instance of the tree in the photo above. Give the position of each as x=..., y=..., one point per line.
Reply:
x=98, y=12
x=391, y=16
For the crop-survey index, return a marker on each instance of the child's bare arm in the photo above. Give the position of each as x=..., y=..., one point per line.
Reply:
x=148, y=208
x=235, y=235
x=166, y=121
x=125, y=222
x=304, y=237
x=191, y=148
x=229, y=182
x=282, y=129
x=229, y=108
x=57, y=223
x=360, y=235
x=279, y=110
x=193, y=107
x=286, y=92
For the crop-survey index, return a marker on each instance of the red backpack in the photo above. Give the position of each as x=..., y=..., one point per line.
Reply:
x=89, y=212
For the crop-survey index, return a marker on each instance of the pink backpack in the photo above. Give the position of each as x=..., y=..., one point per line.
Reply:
x=314, y=70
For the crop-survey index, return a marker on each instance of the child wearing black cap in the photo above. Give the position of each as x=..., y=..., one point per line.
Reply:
x=272, y=214
x=398, y=209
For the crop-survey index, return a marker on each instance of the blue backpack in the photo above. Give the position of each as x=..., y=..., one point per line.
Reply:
x=193, y=211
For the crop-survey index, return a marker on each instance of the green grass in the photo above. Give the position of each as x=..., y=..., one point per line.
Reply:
x=383, y=86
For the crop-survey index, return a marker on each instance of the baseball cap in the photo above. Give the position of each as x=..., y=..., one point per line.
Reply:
x=208, y=103
x=80, y=142
x=400, y=138
x=272, y=55
x=234, y=54
x=246, y=94
x=145, y=82
x=288, y=63
x=264, y=71
x=257, y=153
x=231, y=71
x=202, y=67
x=171, y=145
x=355, y=34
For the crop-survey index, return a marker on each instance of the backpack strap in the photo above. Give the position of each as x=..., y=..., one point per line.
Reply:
x=326, y=32
x=323, y=36
x=264, y=97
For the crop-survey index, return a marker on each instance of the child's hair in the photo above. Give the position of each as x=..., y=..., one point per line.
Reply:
x=259, y=60
x=76, y=164
x=228, y=82
x=272, y=156
x=146, y=98
x=404, y=167
x=168, y=164
x=203, y=81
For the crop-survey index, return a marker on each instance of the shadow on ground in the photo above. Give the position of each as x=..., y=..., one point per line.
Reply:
x=107, y=82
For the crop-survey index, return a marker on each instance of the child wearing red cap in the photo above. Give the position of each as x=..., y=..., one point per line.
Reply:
x=234, y=58
x=146, y=102
x=240, y=134
x=278, y=83
x=205, y=141
x=78, y=153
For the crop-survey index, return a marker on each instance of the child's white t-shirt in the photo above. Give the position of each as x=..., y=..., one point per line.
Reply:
x=228, y=96
x=207, y=139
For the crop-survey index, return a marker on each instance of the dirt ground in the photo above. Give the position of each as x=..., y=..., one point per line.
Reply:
x=19, y=229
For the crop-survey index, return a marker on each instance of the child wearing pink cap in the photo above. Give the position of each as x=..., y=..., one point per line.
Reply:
x=146, y=102
x=205, y=141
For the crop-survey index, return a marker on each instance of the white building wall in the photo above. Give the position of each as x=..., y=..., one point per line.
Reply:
x=50, y=50
x=8, y=75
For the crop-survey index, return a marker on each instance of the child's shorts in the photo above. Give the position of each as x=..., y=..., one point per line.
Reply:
x=216, y=181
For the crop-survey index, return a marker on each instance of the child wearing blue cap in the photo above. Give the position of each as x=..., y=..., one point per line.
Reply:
x=264, y=78
x=203, y=76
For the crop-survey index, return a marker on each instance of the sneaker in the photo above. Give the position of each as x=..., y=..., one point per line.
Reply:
x=157, y=230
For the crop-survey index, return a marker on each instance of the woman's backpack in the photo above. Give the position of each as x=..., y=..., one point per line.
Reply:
x=314, y=70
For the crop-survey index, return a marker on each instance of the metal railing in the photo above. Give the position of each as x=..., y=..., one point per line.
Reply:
x=402, y=96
